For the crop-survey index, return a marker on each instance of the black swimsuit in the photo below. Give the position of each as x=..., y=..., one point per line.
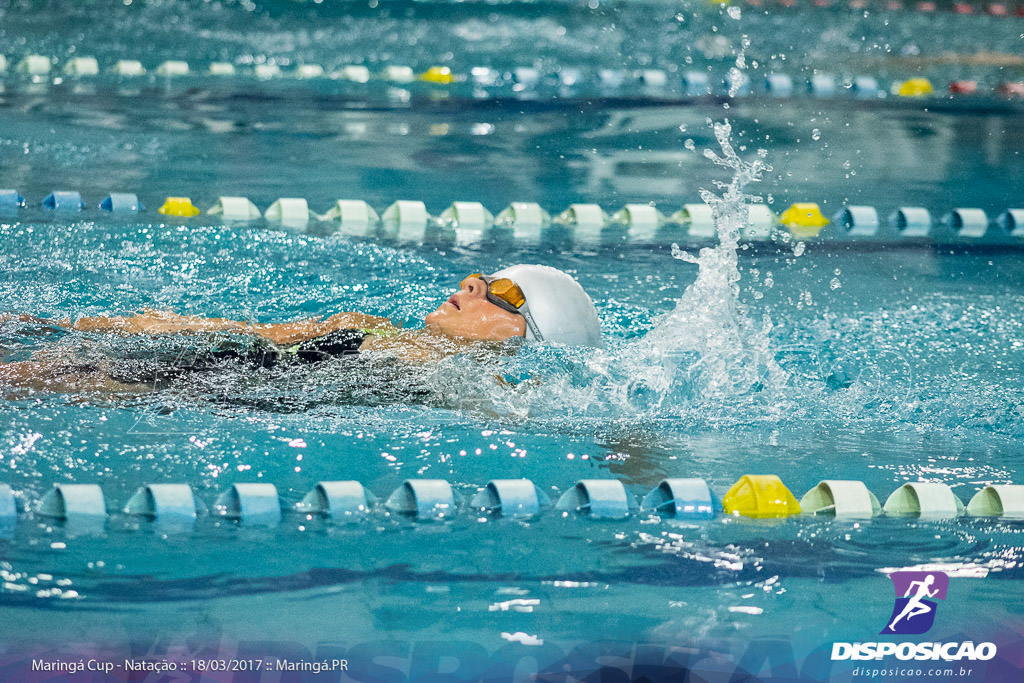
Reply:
x=154, y=362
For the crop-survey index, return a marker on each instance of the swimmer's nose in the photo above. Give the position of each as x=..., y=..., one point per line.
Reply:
x=474, y=286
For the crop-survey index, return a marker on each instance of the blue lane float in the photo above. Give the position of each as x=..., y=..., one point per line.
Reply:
x=778, y=85
x=510, y=498
x=840, y=498
x=696, y=84
x=250, y=503
x=423, y=499
x=11, y=201
x=167, y=502
x=338, y=500
x=526, y=77
x=73, y=501
x=865, y=88
x=121, y=202
x=63, y=201
x=598, y=498
x=682, y=499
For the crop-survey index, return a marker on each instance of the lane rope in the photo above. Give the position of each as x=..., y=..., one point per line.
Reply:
x=522, y=81
x=753, y=495
x=468, y=223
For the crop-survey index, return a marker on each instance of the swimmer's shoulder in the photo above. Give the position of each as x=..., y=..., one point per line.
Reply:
x=413, y=345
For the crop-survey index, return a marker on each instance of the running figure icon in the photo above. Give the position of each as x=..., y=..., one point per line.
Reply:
x=916, y=592
x=915, y=607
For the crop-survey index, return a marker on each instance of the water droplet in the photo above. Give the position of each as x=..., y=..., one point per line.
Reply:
x=689, y=144
x=798, y=248
x=734, y=12
x=815, y=134
x=835, y=283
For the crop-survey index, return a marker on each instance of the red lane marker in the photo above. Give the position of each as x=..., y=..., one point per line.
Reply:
x=1011, y=89
x=963, y=87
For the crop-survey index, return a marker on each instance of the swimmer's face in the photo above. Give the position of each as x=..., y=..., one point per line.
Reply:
x=468, y=314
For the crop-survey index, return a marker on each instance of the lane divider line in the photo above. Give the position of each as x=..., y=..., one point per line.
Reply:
x=756, y=496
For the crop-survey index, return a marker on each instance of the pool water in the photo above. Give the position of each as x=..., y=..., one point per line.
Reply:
x=889, y=361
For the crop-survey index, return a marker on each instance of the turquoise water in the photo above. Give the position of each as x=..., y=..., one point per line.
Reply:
x=887, y=362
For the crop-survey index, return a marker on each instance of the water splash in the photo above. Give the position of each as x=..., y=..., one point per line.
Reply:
x=708, y=351
x=709, y=345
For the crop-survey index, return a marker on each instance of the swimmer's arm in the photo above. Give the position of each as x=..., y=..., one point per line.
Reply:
x=157, y=322
x=303, y=330
x=168, y=322
x=26, y=318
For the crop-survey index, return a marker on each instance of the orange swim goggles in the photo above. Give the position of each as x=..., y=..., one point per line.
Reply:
x=507, y=295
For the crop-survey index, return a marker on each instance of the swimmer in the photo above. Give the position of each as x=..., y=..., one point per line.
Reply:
x=538, y=303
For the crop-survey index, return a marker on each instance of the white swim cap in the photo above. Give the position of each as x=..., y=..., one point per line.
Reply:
x=560, y=308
